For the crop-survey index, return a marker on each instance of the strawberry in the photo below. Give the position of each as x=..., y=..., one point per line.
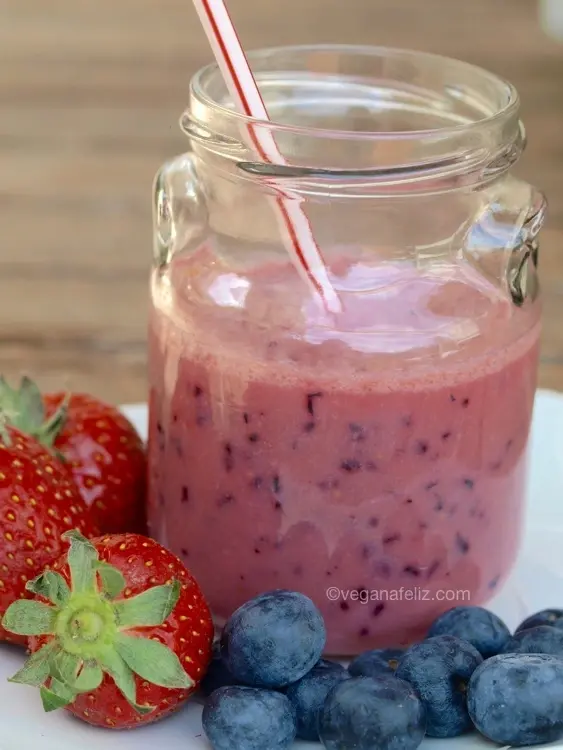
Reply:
x=101, y=447
x=38, y=503
x=120, y=633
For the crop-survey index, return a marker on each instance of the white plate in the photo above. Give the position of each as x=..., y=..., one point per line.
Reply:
x=537, y=582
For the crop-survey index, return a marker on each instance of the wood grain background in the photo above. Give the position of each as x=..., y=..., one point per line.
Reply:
x=90, y=94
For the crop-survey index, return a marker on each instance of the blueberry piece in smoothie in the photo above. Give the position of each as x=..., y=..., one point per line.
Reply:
x=308, y=695
x=228, y=461
x=248, y=718
x=476, y=625
x=412, y=570
x=517, y=699
x=274, y=639
x=351, y=465
x=439, y=669
x=161, y=436
x=376, y=662
x=544, y=617
x=543, y=639
x=382, y=569
x=311, y=397
x=461, y=544
x=225, y=499
x=357, y=432
x=364, y=714
x=177, y=445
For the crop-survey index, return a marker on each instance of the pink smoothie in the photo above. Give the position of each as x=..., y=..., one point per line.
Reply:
x=382, y=455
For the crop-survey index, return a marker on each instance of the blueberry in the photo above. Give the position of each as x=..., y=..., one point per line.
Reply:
x=217, y=674
x=249, y=718
x=274, y=639
x=328, y=664
x=380, y=661
x=545, y=617
x=478, y=626
x=308, y=695
x=541, y=640
x=517, y=699
x=364, y=714
x=439, y=669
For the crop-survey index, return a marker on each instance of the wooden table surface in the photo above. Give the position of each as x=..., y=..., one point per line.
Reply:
x=90, y=94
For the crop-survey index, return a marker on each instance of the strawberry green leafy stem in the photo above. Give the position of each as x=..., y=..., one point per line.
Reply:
x=23, y=409
x=85, y=627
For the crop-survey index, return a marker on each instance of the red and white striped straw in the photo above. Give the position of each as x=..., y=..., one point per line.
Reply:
x=240, y=82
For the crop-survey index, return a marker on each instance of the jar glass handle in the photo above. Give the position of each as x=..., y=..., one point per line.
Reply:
x=179, y=209
x=522, y=277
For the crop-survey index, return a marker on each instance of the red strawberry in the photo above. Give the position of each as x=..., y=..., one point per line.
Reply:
x=101, y=447
x=38, y=503
x=120, y=633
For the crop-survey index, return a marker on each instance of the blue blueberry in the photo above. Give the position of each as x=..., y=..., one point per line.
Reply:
x=439, y=669
x=248, y=718
x=308, y=695
x=329, y=664
x=517, y=699
x=274, y=639
x=476, y=625
x=542, y=639
x=365, y=713
x=380, y=661
x=545, y=617
x=218, y=674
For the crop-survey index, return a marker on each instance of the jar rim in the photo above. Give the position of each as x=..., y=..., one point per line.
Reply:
x=507, y=107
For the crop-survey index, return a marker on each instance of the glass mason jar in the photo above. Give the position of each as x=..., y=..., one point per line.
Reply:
x=373, y=459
